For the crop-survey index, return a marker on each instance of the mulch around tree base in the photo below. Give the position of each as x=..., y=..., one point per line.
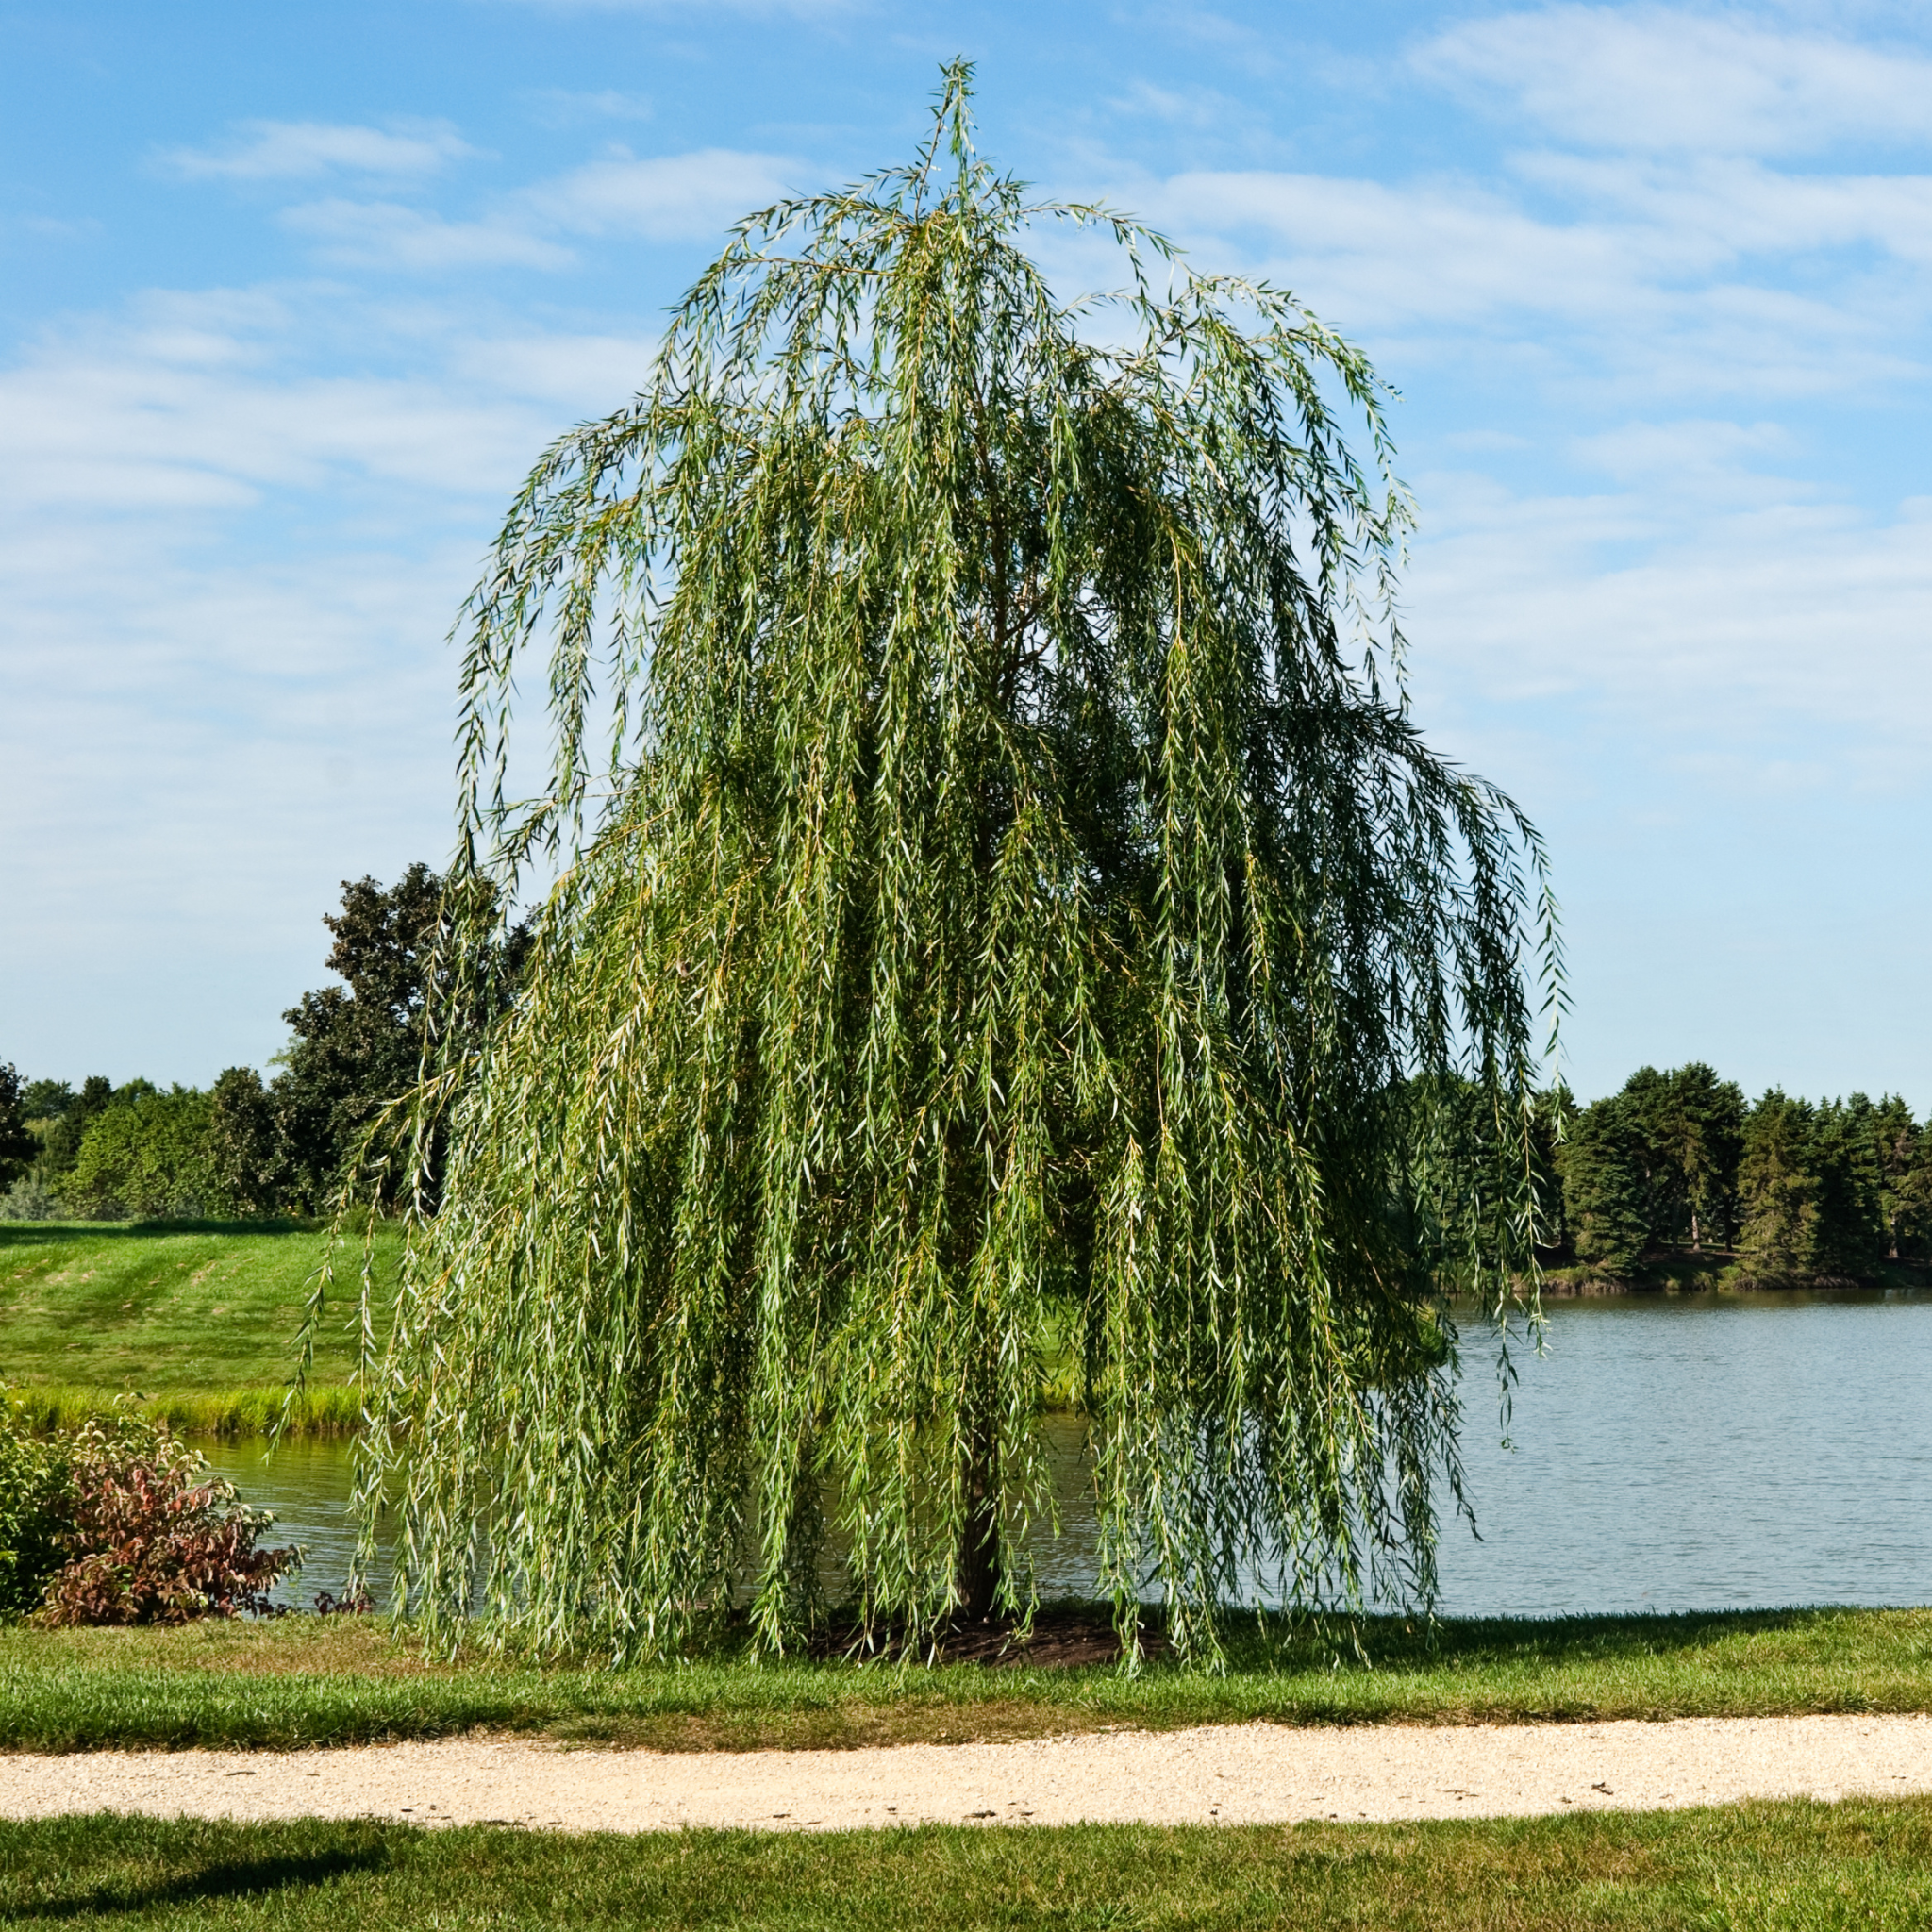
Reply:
x=1058, y=1639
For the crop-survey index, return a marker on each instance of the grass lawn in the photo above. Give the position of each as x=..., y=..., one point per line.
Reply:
x=1792, y=1864
x=303, y=1680
x=200, y=1316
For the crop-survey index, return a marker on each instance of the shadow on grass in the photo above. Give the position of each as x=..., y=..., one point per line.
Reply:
x=46, y=1233
x=1269, y=1641
x=222, y=1878
x=1396, y=1640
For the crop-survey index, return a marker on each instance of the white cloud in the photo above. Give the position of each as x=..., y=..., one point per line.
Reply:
x=664, y=198
x=302, y=150
x=1671, y=278
x=1725, y=611
x=1711, y=456
x=199, y=403
x=1662, y=79
x=1449, y=251
x=584, y=375
x=1202, y=107
x=1727, y=210
x=559, y=106
x=228, y=569
x=387, y=233
x=669, y=198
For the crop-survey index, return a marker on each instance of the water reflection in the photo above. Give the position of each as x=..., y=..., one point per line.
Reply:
x=1696, y=1452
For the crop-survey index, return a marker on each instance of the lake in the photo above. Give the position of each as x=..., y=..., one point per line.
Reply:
x=1695, y=1452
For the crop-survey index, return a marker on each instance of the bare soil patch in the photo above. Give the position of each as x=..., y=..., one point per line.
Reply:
x=1061, y=1638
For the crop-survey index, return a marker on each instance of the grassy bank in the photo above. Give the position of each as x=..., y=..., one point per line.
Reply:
x=201, y=1318
x=321, y=1409
x=342, y=1681
x=1768, y=1867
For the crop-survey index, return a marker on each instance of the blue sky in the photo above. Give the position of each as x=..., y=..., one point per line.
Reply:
x=290, y=298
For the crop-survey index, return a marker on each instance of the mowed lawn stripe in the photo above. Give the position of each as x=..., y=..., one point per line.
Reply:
x=1790, y=1864
x=168, y=1308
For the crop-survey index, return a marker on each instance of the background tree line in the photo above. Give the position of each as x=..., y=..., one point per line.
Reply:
x=245, y=1147
x=1675, y=1163
x=1779, y=1188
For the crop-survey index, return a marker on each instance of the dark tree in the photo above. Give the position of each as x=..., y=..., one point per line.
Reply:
x=1897, y=1160
x=1850, y=1239
x=17, y=1146
x=1551, y=1123
x=244, y=1153
x=358, y=1045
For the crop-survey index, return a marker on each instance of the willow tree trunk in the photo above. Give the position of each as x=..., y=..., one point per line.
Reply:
x=978, y=1569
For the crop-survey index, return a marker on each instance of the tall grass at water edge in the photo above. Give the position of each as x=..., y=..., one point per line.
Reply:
x=327, y=1409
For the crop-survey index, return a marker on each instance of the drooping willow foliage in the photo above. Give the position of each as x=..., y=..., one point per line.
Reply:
x=1012, y=917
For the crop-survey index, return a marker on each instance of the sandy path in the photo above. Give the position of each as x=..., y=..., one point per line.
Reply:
x=1233, y=1775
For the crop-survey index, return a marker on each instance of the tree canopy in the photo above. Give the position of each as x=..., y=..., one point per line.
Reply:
x=1010, y=916
x=1792, y=1190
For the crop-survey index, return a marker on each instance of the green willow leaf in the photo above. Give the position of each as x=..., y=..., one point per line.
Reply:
x=1013, y=916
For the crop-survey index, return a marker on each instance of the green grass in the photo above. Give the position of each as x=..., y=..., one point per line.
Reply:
x=199, y=1317
x=1790, y=1865
x=330, y=1681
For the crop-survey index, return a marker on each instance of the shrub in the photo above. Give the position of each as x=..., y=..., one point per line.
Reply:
x=34, y=1511
x=147, y=1156
x=28, y=1199
x=118, y=1521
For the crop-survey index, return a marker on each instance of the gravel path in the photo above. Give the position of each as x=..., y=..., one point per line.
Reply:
x=1231, y=1774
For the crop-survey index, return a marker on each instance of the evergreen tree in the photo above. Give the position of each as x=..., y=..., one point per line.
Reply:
x=1778, y=1189
x=1687, y=1128
x=1698, y=1135
x=1896, y=1161
x=1551, y=1121
x=1850, y=1239
x=1607, y=1193
x=1021, y=907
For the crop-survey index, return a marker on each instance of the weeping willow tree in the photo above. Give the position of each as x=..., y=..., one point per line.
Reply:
x=1003, y=915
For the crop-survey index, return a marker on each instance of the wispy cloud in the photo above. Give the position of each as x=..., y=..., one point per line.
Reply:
x=1198, y=107
x=754, y=10
x=559, y=106
x=387, y=233
x=1733, y=611
x=1665, y=79
x=304, y=150
x=1678, y=278
x=227, y=398
x=228, y=570
x=693, y=197
x=666, y=198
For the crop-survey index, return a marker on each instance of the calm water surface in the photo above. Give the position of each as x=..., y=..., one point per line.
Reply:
x=1700, y=1452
